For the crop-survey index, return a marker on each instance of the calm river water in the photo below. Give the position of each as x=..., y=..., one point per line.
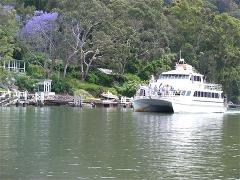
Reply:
x=73, y=143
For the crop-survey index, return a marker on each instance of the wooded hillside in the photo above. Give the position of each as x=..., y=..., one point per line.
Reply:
x=68, y=40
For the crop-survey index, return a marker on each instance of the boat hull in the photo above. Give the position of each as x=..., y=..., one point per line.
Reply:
x=198, y=107
x=152, y=105
x=176, y=106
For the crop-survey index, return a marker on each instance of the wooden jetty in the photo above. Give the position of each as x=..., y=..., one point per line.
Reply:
x=126, y=101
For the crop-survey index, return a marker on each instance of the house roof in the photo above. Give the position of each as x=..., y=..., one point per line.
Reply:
x=105, y=71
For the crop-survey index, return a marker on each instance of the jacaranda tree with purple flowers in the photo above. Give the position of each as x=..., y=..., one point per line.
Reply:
x=40, y=34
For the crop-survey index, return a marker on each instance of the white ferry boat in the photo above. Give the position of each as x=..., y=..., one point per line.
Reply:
x=180, y=90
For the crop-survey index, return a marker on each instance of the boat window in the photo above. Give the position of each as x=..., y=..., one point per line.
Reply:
x=188, y=93
x=164, y=76
x=196, y=78
x=195, y=94
x=204, y=94
x=183, y=93
x=142, y=92
x=212, y=95
x=216, y=95
x=201, y=94
x=209, y=94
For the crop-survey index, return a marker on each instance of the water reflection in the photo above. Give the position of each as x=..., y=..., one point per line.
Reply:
x=187, y=145
x=75, y=143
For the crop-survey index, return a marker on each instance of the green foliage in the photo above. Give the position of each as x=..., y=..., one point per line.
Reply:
x=39, y=4
x=230, y=78
x=25, y=83
x=36, y=58
x=100, y=78
x=94, y=89
x=60, y=85
x=73, y=71
x=4, y=76
x=155, y=67
x=8, y=29
x=93, y=78
x=128, y=88
x=133, y=66
x=35, y=71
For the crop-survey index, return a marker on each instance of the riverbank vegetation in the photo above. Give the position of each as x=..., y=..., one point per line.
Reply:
x=68, y=41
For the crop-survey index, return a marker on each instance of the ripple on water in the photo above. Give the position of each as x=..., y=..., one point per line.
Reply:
x=94, y=167
x=107, y=177
x=75, y=164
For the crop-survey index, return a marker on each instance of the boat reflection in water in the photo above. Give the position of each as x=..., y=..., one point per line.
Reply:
x=186, y=145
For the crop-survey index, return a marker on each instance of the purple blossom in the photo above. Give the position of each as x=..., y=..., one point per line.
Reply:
x=8, y=8
x=41, y=22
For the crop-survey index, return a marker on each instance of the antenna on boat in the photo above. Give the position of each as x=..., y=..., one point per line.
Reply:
x=180, y=54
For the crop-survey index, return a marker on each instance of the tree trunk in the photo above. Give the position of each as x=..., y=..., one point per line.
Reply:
x=87, y=69
x=82, y=65
x=65, y=69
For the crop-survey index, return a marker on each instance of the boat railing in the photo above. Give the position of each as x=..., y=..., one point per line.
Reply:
x=211, y=86
x=158, y=95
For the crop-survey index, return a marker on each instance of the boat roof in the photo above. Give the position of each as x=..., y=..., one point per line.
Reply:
x=109, y=95
x=182, y=68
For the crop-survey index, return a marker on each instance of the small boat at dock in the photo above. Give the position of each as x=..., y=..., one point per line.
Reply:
x=107, y=100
